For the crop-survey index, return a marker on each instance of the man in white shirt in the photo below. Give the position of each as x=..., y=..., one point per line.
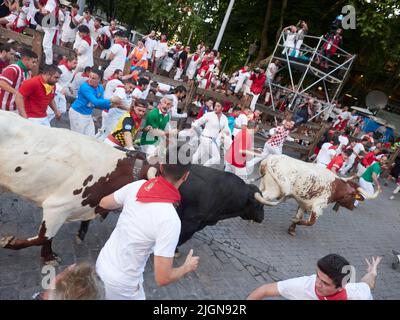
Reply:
x=242, y=75
x=79, y=79
x=70, y=27
x=147, y=224
x=241, y=121
x=216, y=128
x=160, y=51
x=140, y=90
x=83, y=47
x=272, y=69
x=331, y=282
x=358, y=150
x=63, y=86
x=150, y=45
x=179, y=94
x=50, y=27
x=88, y=21
x=327, y=152
x=117, y=55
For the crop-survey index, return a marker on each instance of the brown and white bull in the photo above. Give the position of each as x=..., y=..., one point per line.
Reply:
x=313, y=188
x=63, y=172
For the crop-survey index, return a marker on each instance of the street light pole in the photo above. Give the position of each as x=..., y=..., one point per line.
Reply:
x=224, y=23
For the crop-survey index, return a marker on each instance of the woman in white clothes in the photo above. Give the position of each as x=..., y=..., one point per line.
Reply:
x=290, y=34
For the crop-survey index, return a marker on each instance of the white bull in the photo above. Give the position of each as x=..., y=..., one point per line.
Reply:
x=63, y=172
x=313, y=188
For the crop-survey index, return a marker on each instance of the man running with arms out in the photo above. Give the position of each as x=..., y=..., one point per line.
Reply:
x=331, y=282
x=147, y=224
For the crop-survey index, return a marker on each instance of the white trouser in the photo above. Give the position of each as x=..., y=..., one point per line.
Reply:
x=124, y=293
x=348, y=164
x=48, y=44
x=298, y=46
x=43, y=121
x=268, y=149
x=240, y=172
x=367, y=186
x=360, y=169
x=321, y=165
x=81, y=123
x=208, y=152
x=254, y=101
x=178, y=74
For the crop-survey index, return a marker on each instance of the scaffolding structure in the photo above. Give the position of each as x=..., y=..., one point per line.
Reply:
x=302, y=67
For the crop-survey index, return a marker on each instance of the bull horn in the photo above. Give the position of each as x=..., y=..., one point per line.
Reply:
x=261, y=199
x=349, y=178
x=366, y=195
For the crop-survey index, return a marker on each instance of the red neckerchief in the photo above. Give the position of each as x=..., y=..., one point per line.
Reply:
x=341, y=295
x=85, y=75
x=196, y=57
x=88, y=19
x=64, y=62
x=136, y=119
x=120, y=42
x=88, y=39
x=163, y=113
x=120, y=86
x=243, y=70
x=333, y=147
x=158, y=190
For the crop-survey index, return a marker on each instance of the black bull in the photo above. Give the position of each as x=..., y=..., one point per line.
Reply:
x=208, y=196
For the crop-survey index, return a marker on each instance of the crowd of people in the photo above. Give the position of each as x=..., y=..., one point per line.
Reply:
x=74, y=86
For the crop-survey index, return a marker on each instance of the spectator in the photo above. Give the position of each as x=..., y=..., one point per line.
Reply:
x=258, y=77
x=369, y=178
x=90, y=95
x=70, y=27
x=117, y=55
x=241, y=121
x=329, y=283
x=290, y=34
x=178, y=95
x=139, y=57
x=79, y=78
x=150, y=44
x=232, y=117
x=242, y=75
x=13, y=76
x=6, y=53
x=181, y=62
x=13, y=8
x=195, y=59
x=301, y=32
x=83, y=47
x=329, y=48
x=51, y=8
x=148, y=223
x=338, y=161
x=160, y=52
x=36, y=94
x=208, y=106
x=88, y=22
x=77, y=282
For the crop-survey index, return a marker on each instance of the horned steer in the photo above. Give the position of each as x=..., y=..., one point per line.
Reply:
x=63, y=172
x=312, y=187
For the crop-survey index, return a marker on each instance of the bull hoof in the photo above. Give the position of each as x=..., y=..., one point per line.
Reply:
x=7, y=241
x=52, y=260
x=292, y=233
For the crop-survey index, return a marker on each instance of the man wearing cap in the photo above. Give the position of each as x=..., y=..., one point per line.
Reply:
x=147, y=224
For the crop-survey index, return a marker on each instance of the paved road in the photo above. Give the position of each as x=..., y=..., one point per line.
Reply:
x=235, y=256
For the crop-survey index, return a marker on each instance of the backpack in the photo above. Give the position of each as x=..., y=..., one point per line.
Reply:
x=105, y=41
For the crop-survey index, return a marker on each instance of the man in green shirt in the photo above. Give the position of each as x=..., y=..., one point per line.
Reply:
x=371, y=175
x=158, y=120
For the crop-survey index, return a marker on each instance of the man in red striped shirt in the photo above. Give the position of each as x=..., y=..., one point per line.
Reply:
x=36, y=94
x=12, y=78
x=337, y=162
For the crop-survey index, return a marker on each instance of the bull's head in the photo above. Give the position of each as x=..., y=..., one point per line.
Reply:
x=254, y=209
x=354, y=192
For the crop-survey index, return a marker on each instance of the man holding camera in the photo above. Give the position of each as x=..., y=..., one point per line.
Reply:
x=258, y=77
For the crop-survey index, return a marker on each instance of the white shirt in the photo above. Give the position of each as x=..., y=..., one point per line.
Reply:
x=125, y=98
x=85, y=57
x=118, y=62
x=164, y=88
x=98, y=32
x=90, y=25
x=65, y=78
x=358, y=148
x=161, y=49
x=66, y=28
x=240, y=121
x=138, y=94
x=51, y=7
x=32, y=12
x=110, y=88
x=325, y=155
x=142, y=228
x=214, y=126
x=150, y=45
x=272, y=70
x=303, y=288
x=173, y=111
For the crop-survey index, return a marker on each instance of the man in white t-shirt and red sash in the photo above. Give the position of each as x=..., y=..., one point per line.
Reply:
x=330, y=282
